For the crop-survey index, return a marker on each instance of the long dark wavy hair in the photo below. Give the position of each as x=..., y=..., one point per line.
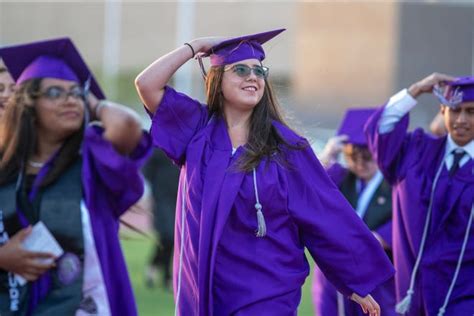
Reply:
x=18, y=136
x=264, y=139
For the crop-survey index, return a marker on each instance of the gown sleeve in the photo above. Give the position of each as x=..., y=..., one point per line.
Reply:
x=175, y=122
x=110, y=178
x=338, y=240
x=397, y=150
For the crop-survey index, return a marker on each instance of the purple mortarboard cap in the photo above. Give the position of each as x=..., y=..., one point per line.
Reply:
x=57, y=58
x=353, y=125
x=464, y=85
x=241, y=48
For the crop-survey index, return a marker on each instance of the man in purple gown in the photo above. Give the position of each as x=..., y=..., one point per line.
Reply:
x=433, y=181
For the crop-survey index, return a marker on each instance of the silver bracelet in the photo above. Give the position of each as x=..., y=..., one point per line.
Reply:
x=101, y=104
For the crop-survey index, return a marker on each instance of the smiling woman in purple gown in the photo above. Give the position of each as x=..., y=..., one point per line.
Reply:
x=433, y=181
x=252, y=194
x=75, y=178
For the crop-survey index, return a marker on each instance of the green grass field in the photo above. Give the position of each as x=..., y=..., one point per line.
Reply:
x=157, y=301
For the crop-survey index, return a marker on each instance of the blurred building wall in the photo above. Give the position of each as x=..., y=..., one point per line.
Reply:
x=148, y=29
x=334, y=54
x=30, y=21
x=358, y=54
x=346, y=56
x=433, y=37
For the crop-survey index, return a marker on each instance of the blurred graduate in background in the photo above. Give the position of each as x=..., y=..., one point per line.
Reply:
x=370, y=195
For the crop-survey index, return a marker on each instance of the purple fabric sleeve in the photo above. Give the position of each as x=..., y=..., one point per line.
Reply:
x=385, y=232
x=339, y=241
x=110, y=173
x=391, y=149
x=175, y=122
x=337, y=173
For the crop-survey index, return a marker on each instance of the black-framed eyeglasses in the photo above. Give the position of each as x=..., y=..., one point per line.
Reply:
x=244, y=71
x=56, y=93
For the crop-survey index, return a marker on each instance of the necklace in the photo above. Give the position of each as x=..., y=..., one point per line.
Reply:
x=36, y=164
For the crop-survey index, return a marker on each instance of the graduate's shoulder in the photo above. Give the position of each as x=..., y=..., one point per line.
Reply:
x=297, y=149
x=289, y=135
x=421, y=139
x=171, y=94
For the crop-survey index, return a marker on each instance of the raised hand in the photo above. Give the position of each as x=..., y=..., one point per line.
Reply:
x=332, y=150
x=30, y=265
x=426, y=85
x=150, y=83
x=203, y=45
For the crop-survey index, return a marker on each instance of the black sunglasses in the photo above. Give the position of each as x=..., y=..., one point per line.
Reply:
x=244, y=71
x=56, y=93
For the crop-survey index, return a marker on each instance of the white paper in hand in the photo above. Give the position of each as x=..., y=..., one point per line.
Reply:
x=40, y=240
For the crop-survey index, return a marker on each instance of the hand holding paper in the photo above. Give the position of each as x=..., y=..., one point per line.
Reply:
x=26, y=254
x=40, y=240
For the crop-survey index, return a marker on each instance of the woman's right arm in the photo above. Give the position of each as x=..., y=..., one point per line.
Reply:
x=340, y=243
x=30, y=265
x=151, y=82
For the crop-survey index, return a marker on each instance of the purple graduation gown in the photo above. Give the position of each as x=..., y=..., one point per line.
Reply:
x=112, y=183
x=226, y=269
x=325, y=294
x=409, y=161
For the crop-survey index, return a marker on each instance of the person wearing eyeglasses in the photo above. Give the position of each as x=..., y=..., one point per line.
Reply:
x=7, y=87
x=433, y=183
x=362, y=184
x=63, y=185
x=252, y=194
